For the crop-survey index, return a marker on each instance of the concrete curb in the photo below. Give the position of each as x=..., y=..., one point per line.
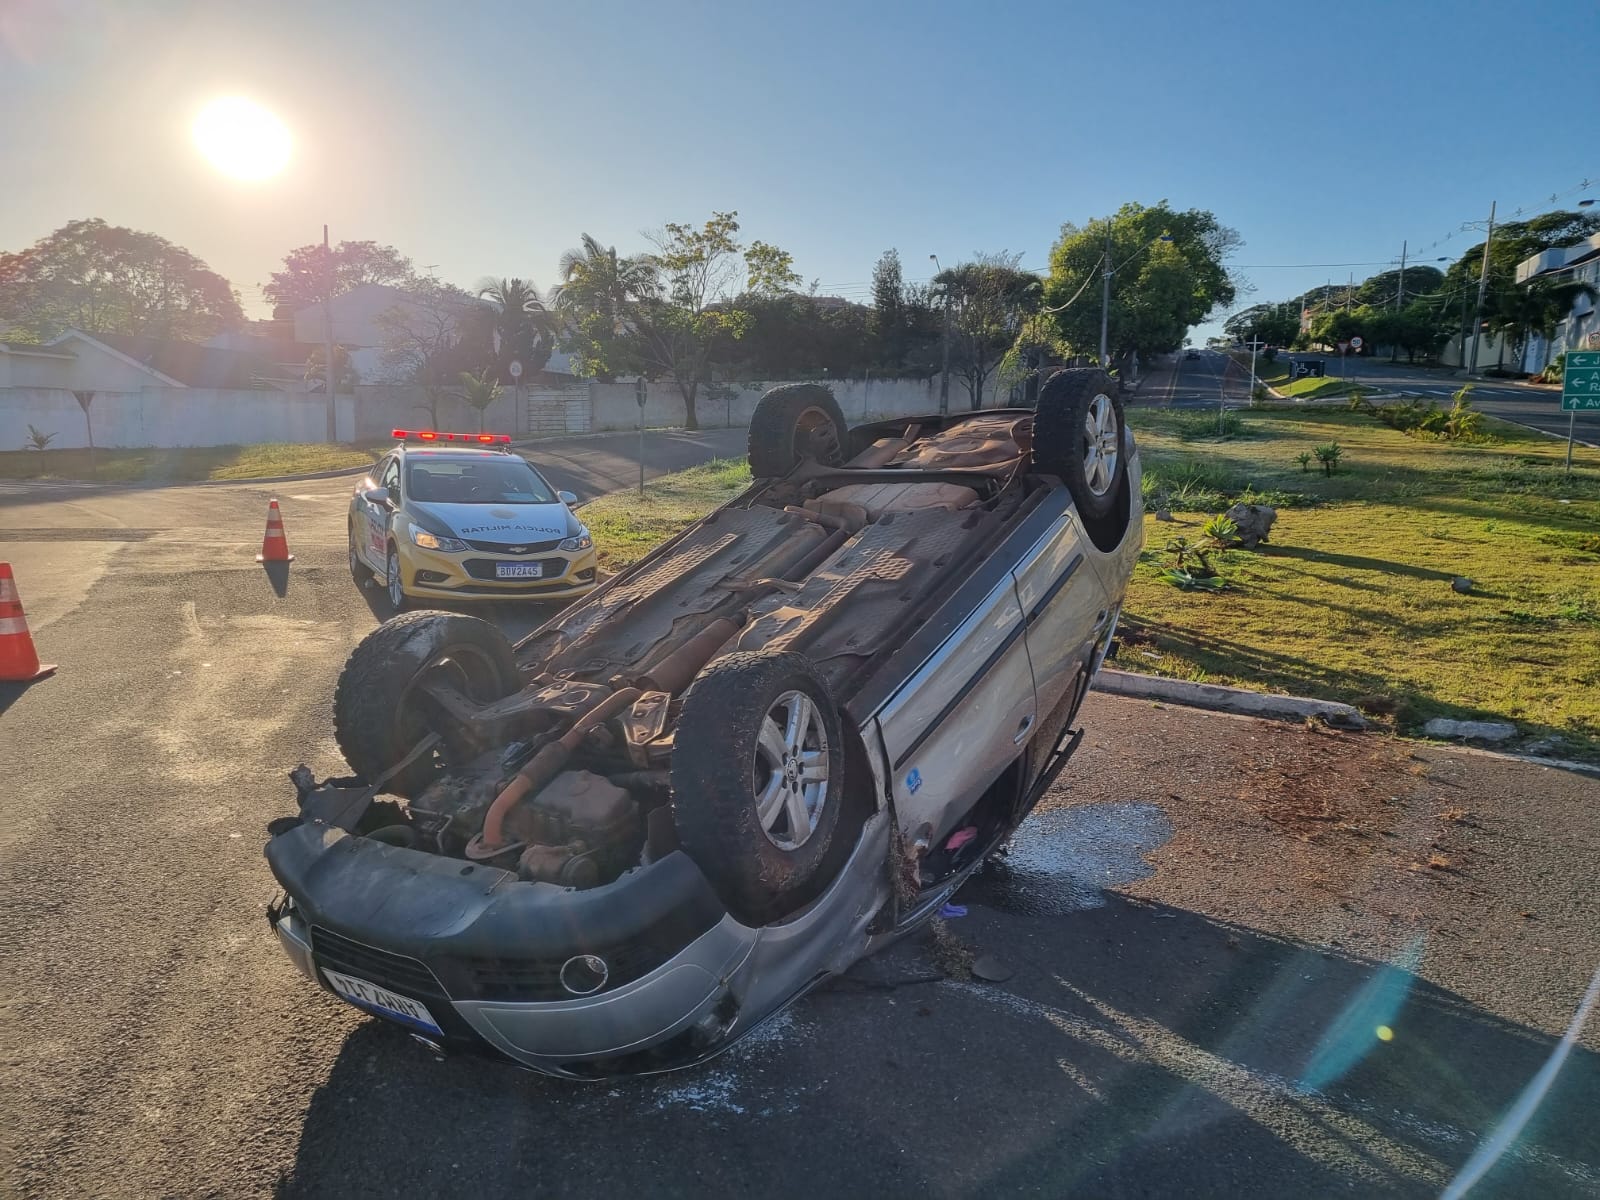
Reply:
x=1226, y=699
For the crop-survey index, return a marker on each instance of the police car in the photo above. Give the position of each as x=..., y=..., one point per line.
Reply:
x=460, y=516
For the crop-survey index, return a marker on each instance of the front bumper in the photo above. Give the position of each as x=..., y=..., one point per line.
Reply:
x=484, y=950
x=468, y=574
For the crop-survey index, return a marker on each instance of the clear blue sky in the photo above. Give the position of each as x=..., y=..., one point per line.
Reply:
x=483, y=138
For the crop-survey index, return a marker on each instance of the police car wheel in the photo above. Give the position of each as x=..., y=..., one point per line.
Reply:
x=392, y=582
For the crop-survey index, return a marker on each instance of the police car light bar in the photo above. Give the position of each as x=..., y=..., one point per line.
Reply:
x=429, y=435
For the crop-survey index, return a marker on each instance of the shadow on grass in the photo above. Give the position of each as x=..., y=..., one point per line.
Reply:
x=1355, y=562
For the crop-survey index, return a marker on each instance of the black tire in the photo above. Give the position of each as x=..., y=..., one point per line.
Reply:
x=373, y=722
x=716, y=771
x=1072, y=433
x=795, y=422
x=359, y=571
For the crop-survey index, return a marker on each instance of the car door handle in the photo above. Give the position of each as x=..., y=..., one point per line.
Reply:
x=1022, y=730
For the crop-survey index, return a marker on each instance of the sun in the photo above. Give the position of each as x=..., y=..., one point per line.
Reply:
x=242, y=139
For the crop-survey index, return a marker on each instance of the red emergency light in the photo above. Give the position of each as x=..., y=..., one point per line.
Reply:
x=429, y=435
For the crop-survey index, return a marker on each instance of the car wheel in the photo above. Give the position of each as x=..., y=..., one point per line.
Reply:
x=758, y=781
x=1078, y=435
x=359, y=571
x=392, y=581
x=793, y=423
x=378, y=714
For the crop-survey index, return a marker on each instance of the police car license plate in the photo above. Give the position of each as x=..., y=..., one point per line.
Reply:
x=531, y=570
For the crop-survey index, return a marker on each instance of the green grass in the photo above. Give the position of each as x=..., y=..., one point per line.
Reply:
x=1351, y=599
x=627, y=526
x=1313, y=389
x=186, y=465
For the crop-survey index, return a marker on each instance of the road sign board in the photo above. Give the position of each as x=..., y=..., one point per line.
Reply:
x=1344, y=347
x=1355, y=343
x=516, y=368
x=1580, y=381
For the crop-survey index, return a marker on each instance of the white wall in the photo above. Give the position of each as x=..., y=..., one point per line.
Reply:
x=170, y=417
x=615, y=406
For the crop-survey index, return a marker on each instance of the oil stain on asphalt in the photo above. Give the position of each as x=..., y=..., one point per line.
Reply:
x=1063, y=860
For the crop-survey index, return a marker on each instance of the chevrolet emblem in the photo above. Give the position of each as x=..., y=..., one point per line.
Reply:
x=516, y=549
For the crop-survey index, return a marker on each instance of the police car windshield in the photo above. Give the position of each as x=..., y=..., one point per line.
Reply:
x=497, y=479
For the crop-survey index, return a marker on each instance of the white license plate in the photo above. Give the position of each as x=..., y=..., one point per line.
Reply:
x=382, y=1001
x=531, y=570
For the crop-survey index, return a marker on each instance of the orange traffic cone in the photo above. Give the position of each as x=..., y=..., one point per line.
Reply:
x=274, y=546
x=19, y=662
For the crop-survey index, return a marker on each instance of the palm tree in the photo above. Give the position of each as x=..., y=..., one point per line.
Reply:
x=601, y=301
x=523, y=328
x=1536, y=309
x=480, y=390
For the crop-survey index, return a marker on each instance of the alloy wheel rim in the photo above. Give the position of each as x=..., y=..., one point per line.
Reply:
x=396, y=593
x=789, y=772
x=1101, y=438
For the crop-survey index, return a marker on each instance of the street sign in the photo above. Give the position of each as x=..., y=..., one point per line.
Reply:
x=516, y=368
x=1355, y=343
x=1344, y=347
x=1580, y=381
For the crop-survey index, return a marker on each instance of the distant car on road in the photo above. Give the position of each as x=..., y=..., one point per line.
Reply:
x=460, y=516
x=1191, y=354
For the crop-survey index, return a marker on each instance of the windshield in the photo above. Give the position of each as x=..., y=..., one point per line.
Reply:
x=503, y=479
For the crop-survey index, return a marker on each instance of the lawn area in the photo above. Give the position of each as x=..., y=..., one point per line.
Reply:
x=627, y=526
x=1311, y=388
x=186, y=465
x=1271, y=373
x=1351, y=599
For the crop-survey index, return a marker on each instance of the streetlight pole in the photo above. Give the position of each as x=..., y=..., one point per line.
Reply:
x=1483, y=283
x=944, y=371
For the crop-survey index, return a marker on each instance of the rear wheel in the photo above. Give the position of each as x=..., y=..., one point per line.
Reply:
x=379, y=711
x=1078, y=435
x=758, y=781
x=794, y=423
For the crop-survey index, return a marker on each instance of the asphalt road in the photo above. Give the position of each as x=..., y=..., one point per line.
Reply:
x=1210, y=928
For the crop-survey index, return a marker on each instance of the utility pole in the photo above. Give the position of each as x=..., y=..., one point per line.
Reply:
x=327, y=337
x=1483, y=283
x=1399, y=299
x=1105, y=298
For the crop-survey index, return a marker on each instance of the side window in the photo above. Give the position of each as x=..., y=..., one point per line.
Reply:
x=391, y=478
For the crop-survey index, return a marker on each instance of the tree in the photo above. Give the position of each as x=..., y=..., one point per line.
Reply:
x=104, y=278
x=345, y=377
x=481, y=389
x=770, y=270
x=597, y=293
x=1275, y=324
x=432, y=337
x=1169, y=273
x=990, y=299
x=1534, y=309
x=523, y=330
x=1381, y=289
x=307, y=270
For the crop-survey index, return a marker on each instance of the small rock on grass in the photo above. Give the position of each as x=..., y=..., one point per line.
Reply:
x=1461, y=584
x=1469, y=731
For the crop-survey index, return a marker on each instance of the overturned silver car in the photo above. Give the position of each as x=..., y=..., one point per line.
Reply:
x=767, y=749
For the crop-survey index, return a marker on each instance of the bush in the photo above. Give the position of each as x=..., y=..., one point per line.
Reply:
x=1329, y=456
x=1554, y=372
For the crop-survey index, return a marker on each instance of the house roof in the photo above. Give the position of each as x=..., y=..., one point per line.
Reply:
x=32, y=348
x=187, y=363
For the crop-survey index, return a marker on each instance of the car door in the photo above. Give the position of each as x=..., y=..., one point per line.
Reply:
x=375, y=517
x=960, y=720
x=1064, y=607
